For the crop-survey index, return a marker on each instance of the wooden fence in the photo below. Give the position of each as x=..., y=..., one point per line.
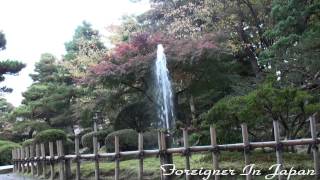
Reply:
x=33, y=159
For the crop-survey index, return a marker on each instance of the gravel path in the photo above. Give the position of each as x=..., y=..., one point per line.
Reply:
x=12, y=176
x=6, y=174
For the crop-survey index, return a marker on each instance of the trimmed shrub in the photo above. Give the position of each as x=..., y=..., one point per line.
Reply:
x=26, y=126
x=86, y=139
x=4, y=142
x=150, y=139
x=6, y=151
x=68, y=146
x=7, y=135
x=50, y=135
x=85, y=131
x=128, y=140
x=27, y=142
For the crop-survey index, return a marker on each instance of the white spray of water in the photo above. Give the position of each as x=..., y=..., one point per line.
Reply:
x=164, y=90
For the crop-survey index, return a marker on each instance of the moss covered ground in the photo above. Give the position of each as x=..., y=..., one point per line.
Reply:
x=228, y=160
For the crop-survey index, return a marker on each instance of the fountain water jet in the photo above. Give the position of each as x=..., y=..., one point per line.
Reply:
x=165, y=109
x=164, y=95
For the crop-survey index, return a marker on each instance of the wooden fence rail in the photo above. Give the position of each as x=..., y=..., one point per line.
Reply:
x=25, y=161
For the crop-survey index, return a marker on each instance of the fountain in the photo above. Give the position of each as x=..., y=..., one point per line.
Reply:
x=164, y=99
x=164, y=96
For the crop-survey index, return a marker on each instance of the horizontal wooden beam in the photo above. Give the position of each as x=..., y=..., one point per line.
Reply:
x=179, y=150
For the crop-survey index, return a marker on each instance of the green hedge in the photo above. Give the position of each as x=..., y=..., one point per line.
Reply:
x=50, y=135
x=150, y=139
x=128, y=140
x=23, y=126
x=27, y=142
x=86, y=139
x=68, y=146
x=6, y=151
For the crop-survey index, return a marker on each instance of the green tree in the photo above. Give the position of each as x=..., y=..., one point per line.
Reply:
x=295, y=52
x=45, y=70
x=84, y=36
x=5, y=122
x=289, y=106
x=48, y=98
x=84, y=51
x=8, y=67
x=3, y=41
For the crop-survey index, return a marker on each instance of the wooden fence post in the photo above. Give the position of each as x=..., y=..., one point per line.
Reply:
x=38, y=160
x=278, y=146
x=215, y=151
x=19, y=158
x=32, y=164
x=16, y=160
x=117, y=157
x=27, y=158
x=22, y=160
x=313, y=131
x=25, y=161
x=61, y=160
x=76, y=143
x=16, y=151
x=67, y=163
x=246, y=145
x=160, y=150
x=16, y=155
x=13, y=160
x=43, y=159
x=140, y=148
x=164, y=156
x=51, y=160
x=186, y=151
x=95, y=152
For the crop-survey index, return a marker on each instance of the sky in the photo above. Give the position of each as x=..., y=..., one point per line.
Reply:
x=33, y=27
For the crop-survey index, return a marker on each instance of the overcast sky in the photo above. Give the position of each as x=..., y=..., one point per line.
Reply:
x=33, y=27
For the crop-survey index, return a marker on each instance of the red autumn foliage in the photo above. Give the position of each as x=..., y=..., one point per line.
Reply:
x=137, y=54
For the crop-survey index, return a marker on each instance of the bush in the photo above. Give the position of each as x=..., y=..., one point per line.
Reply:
x=50, y=135
x=128, y=140
x=68, y=146
x=86, y=139
x=150, y=139
x=6, y=151
x=28, y=142
x=26, y=126
x=7, y=135
x=85, y=131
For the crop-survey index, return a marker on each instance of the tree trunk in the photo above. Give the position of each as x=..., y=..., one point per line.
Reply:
x=309, y=149
x=192, y=109
x=247, y=44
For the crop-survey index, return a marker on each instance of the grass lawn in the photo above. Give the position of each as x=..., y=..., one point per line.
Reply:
x=228, y=160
